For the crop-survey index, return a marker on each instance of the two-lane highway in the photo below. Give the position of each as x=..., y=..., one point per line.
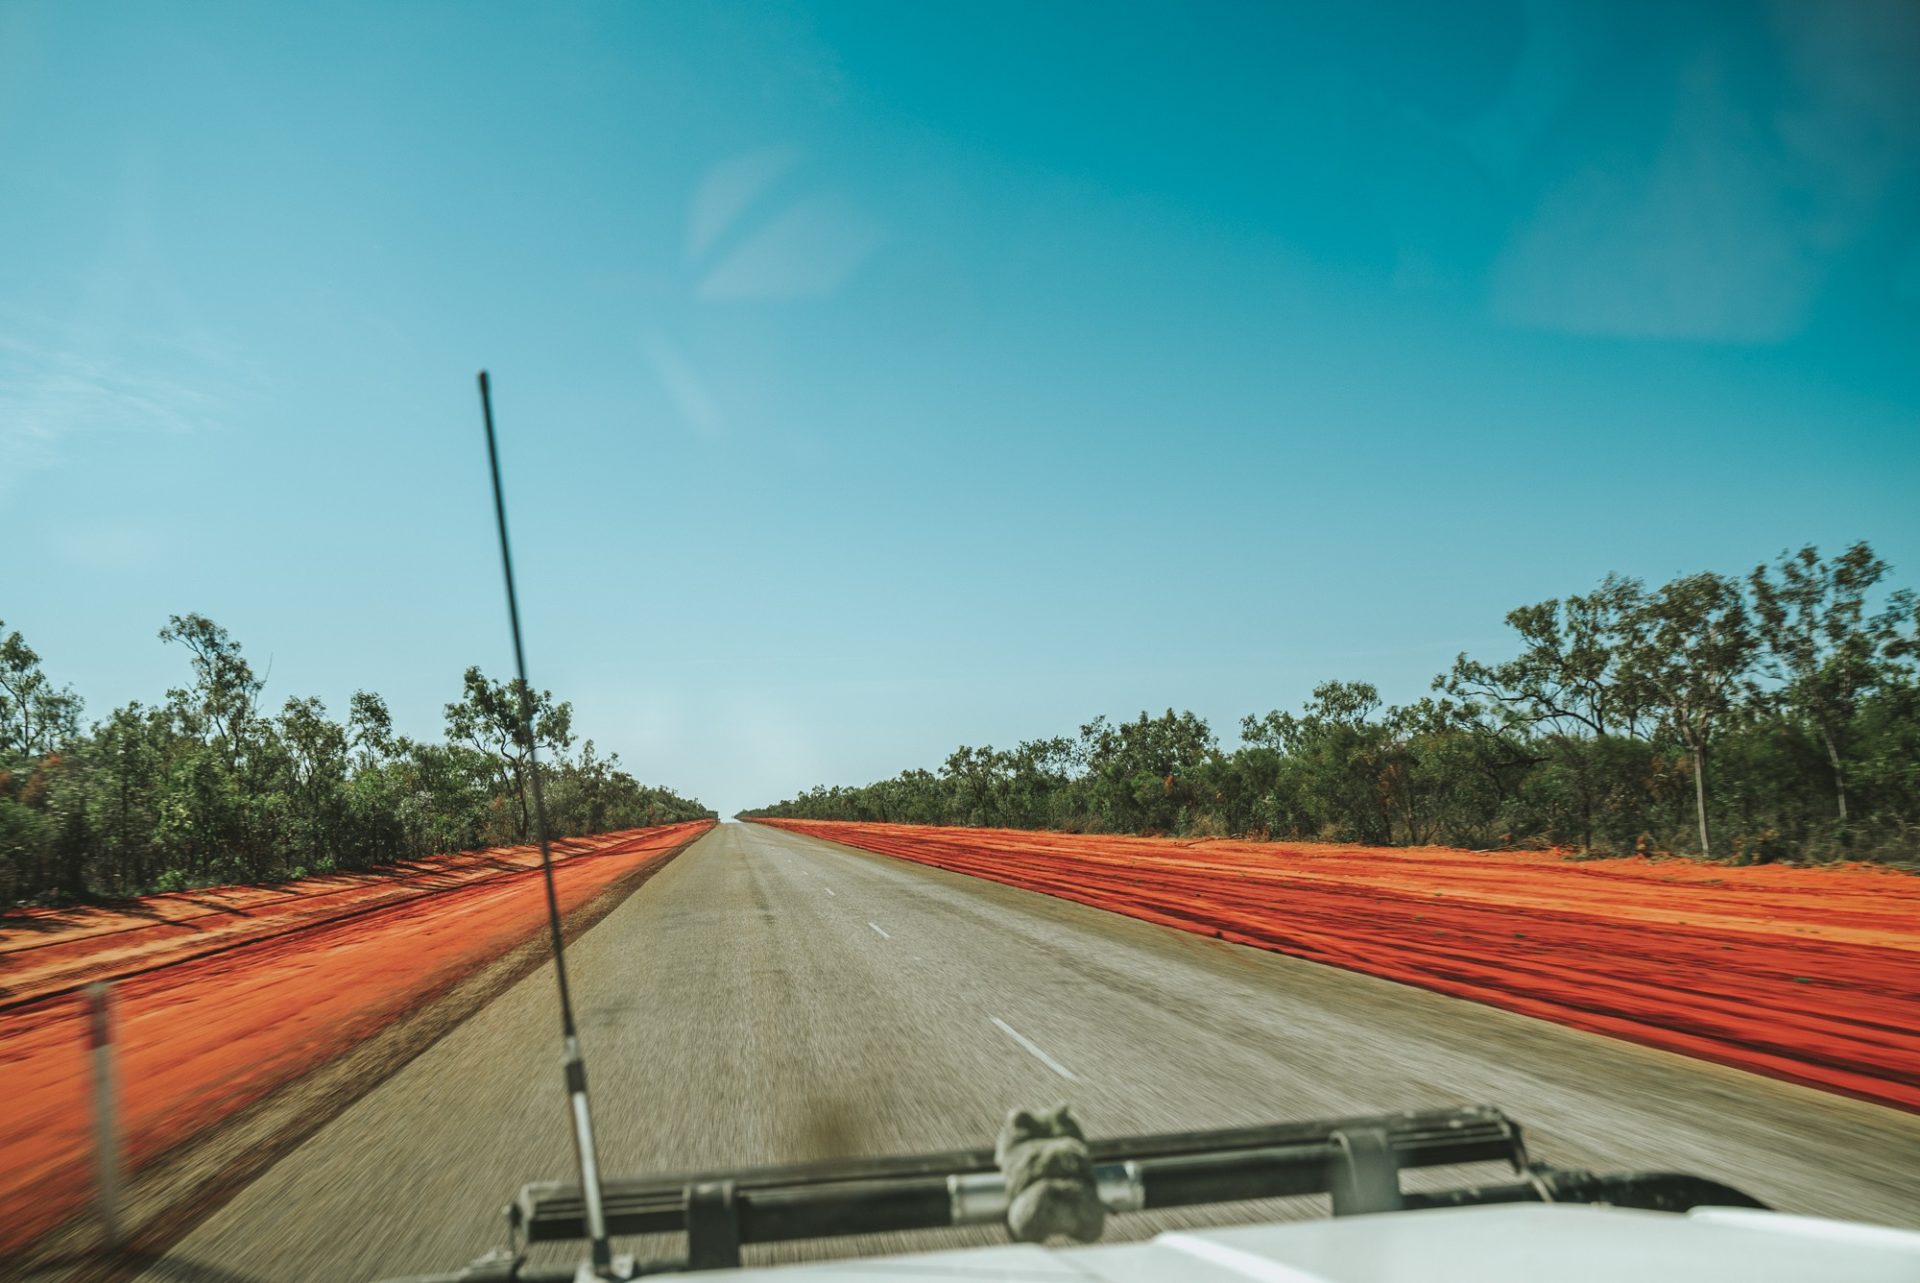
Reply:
x=770, y=997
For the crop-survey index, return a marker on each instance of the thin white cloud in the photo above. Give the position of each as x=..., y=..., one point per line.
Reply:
x=807, y=252
x=1558, y=55
x=726, y=191
x=683, y=383
x=49, y=396
x=124, y=349
x=806, y=248
x=1695, y=244
x=1728, y=229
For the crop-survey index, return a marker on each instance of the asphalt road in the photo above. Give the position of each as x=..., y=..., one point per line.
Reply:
x=769, y=997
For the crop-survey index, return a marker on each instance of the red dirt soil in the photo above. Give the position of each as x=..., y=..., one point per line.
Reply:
x=1812, y=975
x=222, y=995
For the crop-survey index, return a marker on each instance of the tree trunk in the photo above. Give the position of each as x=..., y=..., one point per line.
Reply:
x=1586, y=804
x=1839, y=777
x=520, y=787
x=1700, y=795
x=120, y=836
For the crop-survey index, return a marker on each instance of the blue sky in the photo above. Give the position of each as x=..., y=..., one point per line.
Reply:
x=877, y=378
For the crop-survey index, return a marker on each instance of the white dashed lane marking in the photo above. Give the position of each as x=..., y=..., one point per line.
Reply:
x=1028, y=1045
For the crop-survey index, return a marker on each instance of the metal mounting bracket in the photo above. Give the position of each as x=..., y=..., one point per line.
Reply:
x=1366, y=1173
x=713, y=1226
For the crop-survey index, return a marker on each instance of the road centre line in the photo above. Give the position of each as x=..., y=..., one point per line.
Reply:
x=1035, y=1051
x=883, y=935
x=829, y=890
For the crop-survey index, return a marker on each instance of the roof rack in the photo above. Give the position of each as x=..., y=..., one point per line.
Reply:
x=932, y=1191
x=1356, y=1161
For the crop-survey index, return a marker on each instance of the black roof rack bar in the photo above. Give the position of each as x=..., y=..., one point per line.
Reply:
x=930, y=1191
x=1356, y=1160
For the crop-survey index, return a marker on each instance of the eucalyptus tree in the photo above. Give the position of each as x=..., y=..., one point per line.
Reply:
x=494, y=717
x=130, y=752
x=1567, y=674
x=1685, y=652
x=316, y=767
x=1819, y=644
x=1143, y=774
x=975, y=780
x=1337, y=749
x=370, y=729
x=35, y=718
x=226, y=692
x=1040, y=776
x=1564, y=687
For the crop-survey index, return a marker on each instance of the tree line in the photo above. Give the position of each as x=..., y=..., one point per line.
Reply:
x=1767, y=716
x=206, y=787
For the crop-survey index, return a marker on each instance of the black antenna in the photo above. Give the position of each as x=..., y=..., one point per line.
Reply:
x=576, y=1068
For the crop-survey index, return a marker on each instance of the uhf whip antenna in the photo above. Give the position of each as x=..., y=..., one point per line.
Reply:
x=576, y=1068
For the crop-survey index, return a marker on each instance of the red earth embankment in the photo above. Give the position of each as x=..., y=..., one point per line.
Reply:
x=222, y=995
x=1811, y=975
